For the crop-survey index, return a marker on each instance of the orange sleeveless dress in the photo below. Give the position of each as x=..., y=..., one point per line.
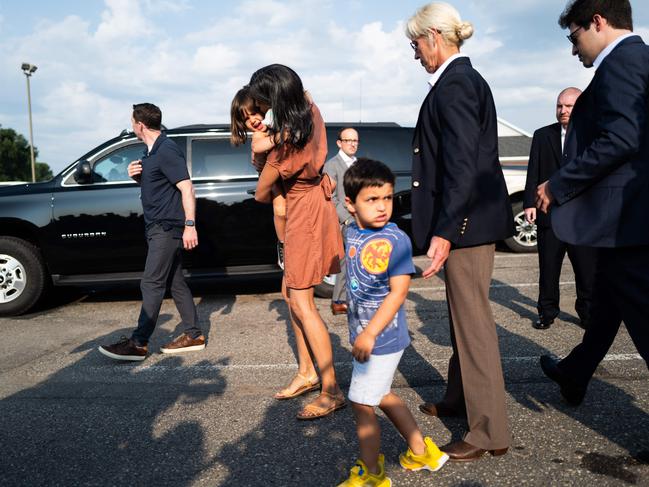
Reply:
x=313, y=244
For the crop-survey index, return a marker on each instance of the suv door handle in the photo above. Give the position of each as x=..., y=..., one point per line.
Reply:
x=251, y=191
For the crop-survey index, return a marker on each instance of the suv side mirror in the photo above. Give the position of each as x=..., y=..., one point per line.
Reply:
x=83, y=173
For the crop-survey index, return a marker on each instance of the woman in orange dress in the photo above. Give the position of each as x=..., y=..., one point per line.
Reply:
x=313, y=243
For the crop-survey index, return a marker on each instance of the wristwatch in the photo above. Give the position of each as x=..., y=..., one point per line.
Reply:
x=189, y=223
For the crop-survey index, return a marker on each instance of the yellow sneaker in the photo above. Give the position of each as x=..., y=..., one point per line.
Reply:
x=433, y=459
x=359, y=476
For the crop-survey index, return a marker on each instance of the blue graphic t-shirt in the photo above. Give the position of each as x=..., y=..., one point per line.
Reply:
x=373, y=256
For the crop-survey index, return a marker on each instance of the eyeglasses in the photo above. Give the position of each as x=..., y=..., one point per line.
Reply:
x=349, y=141
x=572, y=37
x=431, y=31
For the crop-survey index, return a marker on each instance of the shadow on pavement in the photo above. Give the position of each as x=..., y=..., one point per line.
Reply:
x=607, y=409
x=58, y=433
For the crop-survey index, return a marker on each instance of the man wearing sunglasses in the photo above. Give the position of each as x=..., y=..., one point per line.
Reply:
x=335, y=167
x=600, y=195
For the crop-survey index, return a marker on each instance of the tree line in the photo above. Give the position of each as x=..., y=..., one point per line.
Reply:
x=15, y=158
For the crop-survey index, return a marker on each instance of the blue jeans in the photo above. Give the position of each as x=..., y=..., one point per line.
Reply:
x=163, y=268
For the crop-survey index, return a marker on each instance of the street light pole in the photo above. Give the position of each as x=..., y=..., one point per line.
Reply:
x=29, y=69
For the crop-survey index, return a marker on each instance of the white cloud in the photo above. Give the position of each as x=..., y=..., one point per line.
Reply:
x=92, y=69
x=214, y=59
x=174, y=6
x=121, y=21
x=643, y=32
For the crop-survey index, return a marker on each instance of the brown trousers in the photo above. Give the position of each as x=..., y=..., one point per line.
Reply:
x=475, y=376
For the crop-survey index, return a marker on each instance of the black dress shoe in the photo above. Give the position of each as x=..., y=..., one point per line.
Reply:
x=571, y=391
x=542, y=323
x=461, y=451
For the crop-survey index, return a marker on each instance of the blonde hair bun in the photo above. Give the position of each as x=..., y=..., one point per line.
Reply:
x=464, y=30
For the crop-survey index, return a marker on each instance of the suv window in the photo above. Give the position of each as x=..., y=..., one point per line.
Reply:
x=113, y=167
x=218, y=159
x=389, y=145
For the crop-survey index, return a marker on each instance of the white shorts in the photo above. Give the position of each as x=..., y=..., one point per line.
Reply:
x=372, y=380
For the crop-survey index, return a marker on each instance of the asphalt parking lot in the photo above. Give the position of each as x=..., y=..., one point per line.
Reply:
x=69, y=416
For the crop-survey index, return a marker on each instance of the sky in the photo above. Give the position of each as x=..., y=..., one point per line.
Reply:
x=96, y=58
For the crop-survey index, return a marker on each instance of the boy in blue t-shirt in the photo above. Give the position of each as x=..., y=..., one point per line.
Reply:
x=379, y=265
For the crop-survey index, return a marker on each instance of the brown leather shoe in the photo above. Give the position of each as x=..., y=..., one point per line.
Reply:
x=440, y=410
x=125, y=349
x=338, y=308
x=184, y=343
x=461, y=451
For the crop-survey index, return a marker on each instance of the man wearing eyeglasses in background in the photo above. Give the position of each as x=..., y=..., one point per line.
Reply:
x=600, y=195
x=335, y=167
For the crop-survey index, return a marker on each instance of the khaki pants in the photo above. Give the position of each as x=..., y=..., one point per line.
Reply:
x=475, y=377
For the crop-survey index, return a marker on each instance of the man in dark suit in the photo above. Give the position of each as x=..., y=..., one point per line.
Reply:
x=545, y=158
x=335, y=167
x=460, y=208
x=600, y=196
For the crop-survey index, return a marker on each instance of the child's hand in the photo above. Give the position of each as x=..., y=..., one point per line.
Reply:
x=363, y=346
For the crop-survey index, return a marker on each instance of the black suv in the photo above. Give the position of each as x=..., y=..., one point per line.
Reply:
x=85, y=226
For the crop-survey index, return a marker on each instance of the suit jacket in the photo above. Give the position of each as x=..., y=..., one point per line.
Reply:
x=458, y=187
x=545, y=160
x=335, y=168
x=602, y=188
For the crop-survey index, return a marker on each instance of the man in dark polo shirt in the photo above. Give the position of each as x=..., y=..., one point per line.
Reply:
x=169, y=209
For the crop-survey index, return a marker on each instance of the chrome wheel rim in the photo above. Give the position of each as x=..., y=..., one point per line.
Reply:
x=525, y=231
x=13, y=278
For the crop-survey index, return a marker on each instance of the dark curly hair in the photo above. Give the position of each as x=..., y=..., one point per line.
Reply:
x=581, y=12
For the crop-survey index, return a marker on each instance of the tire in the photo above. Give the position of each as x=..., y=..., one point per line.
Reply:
x=326, y=288
x=524, y=239
x=22, y=276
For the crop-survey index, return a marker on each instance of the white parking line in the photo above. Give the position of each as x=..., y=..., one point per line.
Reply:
x=618, y=357
x=520, y=285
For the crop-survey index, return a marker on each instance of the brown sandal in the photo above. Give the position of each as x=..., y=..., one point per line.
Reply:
x=312, y=411
x=306, y=386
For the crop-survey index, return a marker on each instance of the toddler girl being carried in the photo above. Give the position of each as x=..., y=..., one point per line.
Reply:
x=246, y=116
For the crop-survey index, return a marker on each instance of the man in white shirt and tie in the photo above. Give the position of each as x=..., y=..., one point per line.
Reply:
x=545, y=159
x=335, y=167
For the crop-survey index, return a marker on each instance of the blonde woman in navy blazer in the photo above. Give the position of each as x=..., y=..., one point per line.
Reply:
x=460, y=208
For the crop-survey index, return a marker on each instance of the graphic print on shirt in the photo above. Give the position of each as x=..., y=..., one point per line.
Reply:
x=373, y=257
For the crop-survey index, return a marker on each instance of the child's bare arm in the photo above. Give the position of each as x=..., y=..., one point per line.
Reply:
x=364, y=342
x=262, y=142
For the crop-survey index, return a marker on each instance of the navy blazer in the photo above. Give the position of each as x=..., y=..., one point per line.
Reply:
x=602, y=188
x=458, y=187
x=545, y=160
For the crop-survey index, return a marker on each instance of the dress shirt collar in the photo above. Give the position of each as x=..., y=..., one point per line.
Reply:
x=437, y=74
x=609, y=48
x=348, y=160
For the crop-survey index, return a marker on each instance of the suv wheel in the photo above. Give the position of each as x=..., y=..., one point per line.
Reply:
x=326, y=288
x=524, y=239
x=22, y=276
